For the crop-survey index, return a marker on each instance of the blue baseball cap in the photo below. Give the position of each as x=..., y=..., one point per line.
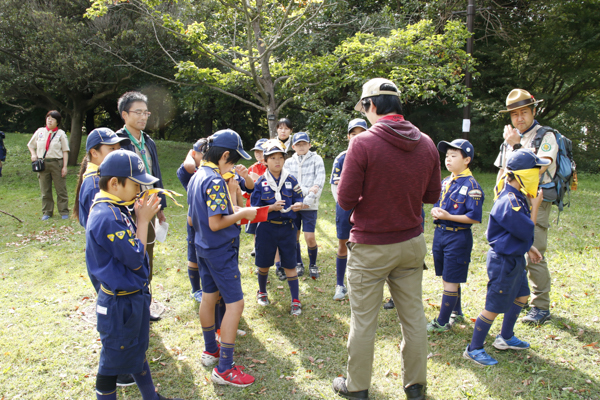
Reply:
x=460, y=144
x=357, y=122
x=103, y=136
x=525, y=159
x=300, y=136
x=229, y=139
x=126, y=164
x=258, y=144
x=198, y=144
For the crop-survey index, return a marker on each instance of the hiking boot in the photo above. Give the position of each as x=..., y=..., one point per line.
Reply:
x=340, y=388
x=197, y=295
x=210, y=359
x=313, y=271
x=296, y=308
x=300, y=269
x=415, y=392
x=233, y=377
x=433, y=326
x=456, y=317
x=281, y=274
x=262, y=299
x=340, y=292
x=389, y=305
x=536, y=316
x=479, y=357
x=513, y=343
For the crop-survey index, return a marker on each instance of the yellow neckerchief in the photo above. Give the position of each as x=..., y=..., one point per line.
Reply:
x=105, y=197
x=91, y=170
x=466, y=172
x=226, y=176
x=166, y=192
x=529, y=180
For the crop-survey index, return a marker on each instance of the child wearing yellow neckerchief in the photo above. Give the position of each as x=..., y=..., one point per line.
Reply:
x=116, y=257
x=459, y=207
x=510, y=235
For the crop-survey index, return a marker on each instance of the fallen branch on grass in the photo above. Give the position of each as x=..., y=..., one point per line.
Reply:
x=4, y=212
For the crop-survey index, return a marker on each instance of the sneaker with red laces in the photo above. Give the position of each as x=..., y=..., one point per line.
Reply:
x=233, y=377
x=210, y=359
x=296, y=308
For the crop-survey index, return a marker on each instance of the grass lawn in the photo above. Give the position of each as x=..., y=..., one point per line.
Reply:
x=49, y=351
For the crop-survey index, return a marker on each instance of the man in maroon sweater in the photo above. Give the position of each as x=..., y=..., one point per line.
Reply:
x=389, y=171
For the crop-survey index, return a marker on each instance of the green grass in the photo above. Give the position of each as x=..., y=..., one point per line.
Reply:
x=48, y=350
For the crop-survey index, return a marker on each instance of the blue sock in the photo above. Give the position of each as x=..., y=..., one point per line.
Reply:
x=482, y=327
x=510, y=318
x=312, y=255
x=340, y=268
x=226, y=359
x=298, y=253
x=458, y=306
x=144, y=382
x=262, y=281
x=448, y=301
x=106, y=387
x=210, y=342
x=294, y=287
x=194, y=276
x=220, y=309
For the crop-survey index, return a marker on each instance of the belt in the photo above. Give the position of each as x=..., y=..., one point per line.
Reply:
x=287, y=221
x=450, y=228
x=52, y=159
x=121, y=293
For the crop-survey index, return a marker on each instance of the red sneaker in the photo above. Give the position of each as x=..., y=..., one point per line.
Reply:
x=210, y=359
x=233, y=376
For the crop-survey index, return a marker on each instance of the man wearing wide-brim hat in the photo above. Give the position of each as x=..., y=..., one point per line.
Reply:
x=522, y=107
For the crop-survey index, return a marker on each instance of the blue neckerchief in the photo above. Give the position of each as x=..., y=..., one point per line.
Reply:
x=530, y=128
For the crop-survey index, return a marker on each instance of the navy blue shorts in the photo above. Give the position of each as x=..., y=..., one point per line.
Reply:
x=307, y=220
x=221, y=273
x=2, y=151
x=508, y=280
x=342, y=222
x=452, y=254
x=251, y=229
x=191, y=233
x=269, y=238
x=123, y=323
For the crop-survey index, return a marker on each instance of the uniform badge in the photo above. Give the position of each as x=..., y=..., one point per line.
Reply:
x=546, y=147
x=288, y=185
x=266, y=188
x=475, y=193
x=223, y=206
x=216, y=187
x=120, y=234
x=213, y=196
x=337, y=170
x=218, y=201
x=111, y=237
x=208, y=202
x=213, y=207
x=129, y=232
x=265, y=183
x=455, y=206
x=132, y=241
x=141, y=165
x=463, y=190
x=216, y=181
x=208, y=191
x=222, y=195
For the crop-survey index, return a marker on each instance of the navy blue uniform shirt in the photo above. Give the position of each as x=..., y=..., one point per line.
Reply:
x=460, y=196
x=338, y=164
x=88, y=190
x=263, y=195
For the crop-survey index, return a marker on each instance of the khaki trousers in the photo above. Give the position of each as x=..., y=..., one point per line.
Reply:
x=52, y=173
x=369, y=266
x=539, y=274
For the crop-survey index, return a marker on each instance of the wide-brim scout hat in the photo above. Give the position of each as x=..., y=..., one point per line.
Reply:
x=372, y=88
x=273, y=146
x=258, y=146
x=126, y=164
x=103, y=136
x=519, y=98
x=300, y=137
x=229, y=139
x=525, y=159
x=357, y=122
x=460, y=144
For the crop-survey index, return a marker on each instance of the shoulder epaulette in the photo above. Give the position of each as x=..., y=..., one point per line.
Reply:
x=514, y=202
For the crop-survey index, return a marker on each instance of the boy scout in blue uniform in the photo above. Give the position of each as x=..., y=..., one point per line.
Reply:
x=116, y=256
x=342, y=217
x=510, y=234
x=216, y=239
x=281, y=192
x=459, y=207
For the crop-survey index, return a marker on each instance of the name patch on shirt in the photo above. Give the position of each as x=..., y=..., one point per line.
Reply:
x=288, y=185
x=463, y=190
x=475, y=193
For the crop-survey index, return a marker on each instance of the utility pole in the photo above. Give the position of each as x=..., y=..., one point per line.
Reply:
x=466, y=127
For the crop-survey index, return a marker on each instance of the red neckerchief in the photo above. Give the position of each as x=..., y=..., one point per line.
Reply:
x=392, y=117
x=50, y=136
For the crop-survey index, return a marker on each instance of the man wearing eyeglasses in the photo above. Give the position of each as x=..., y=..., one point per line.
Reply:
x=133, y=107
x=389, y=171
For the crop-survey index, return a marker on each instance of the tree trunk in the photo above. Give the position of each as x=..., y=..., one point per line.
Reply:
x=75, y=140
x=272, y=118
x=89, y=120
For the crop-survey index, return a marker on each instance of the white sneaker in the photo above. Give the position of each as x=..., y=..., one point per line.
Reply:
x=340, y=292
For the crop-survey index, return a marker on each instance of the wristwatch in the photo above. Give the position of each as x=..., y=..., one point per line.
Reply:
x=517, y=146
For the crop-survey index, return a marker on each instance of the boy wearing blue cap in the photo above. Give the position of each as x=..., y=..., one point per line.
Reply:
x=212, y=214
x=308, y=168
x=116, y=256
x=342, y=217
x=459, y=207
x=510, y=235
x=279, y=190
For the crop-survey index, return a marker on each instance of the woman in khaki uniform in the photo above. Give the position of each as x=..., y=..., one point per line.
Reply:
x=53, y=143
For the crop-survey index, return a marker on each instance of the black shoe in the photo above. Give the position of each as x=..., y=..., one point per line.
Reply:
x=167, y=398
x=415, y=392
x=389, y=305
x=125, y=380
x=154, y=317
x=536, y=316
x=339, y=387
x=253, y=253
